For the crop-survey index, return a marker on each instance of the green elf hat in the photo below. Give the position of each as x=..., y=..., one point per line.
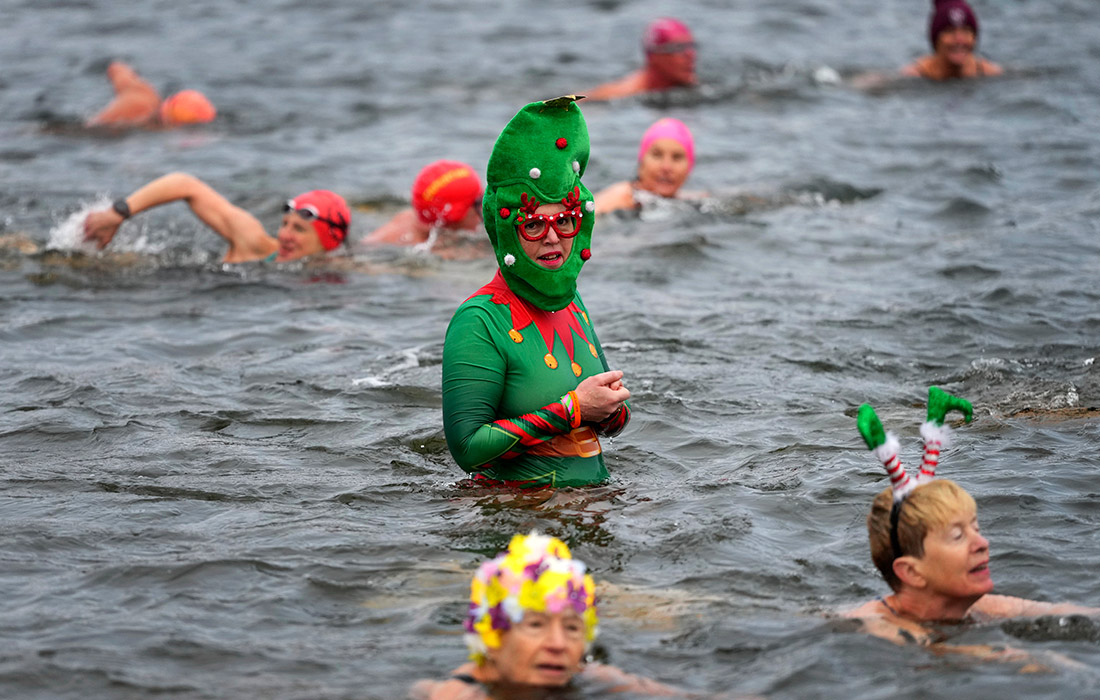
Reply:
x=539, y=159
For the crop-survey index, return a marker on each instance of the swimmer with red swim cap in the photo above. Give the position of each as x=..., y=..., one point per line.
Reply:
x=446, y=199
x=953, y=33
x=313, y=223
x=665, y=159
x=138, y=104
x=669, y=49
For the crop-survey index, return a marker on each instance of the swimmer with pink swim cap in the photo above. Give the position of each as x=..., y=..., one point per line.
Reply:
x=313, y=223
x=666, y=156
x=669, y=49
x=446, y=201
x=953, y=34
x=530, y=620
x=138, y=104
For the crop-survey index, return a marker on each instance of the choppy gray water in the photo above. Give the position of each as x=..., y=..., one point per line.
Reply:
x=230, y=483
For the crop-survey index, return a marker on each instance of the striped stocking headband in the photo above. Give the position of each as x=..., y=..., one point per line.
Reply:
x=936, y=436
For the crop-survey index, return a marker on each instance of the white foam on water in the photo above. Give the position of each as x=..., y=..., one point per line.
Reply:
x=410, y=359
x=68, y=235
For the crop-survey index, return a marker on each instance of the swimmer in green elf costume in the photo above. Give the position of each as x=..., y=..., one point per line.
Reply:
x=526, y=389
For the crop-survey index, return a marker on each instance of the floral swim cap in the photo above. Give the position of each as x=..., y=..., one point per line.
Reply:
x=536, y=573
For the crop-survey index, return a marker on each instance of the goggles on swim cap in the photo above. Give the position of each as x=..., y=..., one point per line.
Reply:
x=673, y=47
x=310, y=213
x=538, y=574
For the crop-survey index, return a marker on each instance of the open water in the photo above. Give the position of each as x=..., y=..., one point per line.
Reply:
x=232, y=482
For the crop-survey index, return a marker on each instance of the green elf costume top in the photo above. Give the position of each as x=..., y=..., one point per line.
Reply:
x=518, y=347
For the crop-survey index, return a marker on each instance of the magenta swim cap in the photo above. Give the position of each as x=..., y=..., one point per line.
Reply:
x=664, y=31
x=669, y=128
x=950, y=13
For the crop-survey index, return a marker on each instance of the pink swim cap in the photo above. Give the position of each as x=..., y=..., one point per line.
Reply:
x=187, y=107
x=669, y=128
x=664, y=31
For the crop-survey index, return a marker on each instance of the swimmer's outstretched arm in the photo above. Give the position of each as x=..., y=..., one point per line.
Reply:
x=1005, y=607
x=245, y=234
x=135, y=101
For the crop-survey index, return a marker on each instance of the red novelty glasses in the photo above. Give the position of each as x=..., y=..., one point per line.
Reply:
x=565, y=223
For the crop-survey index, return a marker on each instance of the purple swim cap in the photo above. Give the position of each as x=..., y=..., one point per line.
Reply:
x=950, y=13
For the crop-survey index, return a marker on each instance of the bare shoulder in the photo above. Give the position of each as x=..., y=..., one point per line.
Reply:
x=619, y=681
x=402, y=229
x=880, y=622
x=989, y=68
x=613, y=197
x=624, y=87
x=1003, y=606
x=450, y=689
x=920, y=68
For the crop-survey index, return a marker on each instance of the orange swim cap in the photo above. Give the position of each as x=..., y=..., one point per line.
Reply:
x=187, y=107
x=444, y=191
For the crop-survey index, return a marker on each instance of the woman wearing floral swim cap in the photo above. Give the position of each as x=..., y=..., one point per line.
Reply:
x=531, y=619
x=665, y=159
x=527, y=392
x=313, y=223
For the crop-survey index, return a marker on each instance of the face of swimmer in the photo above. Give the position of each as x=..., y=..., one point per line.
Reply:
x=675, y=61
x=956, y=559
x=553, y=248
x=543, y=649
x=956, y=45
x=297, y=238
x=664, y=167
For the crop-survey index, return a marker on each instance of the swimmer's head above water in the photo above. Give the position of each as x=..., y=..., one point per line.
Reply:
x=665, y=157
x=903, y=515
x=538, y=213
x=951, y=14
x=445, y=192
x=186, y=107
x=535, y=582
x=669, y=48
x=322, y=210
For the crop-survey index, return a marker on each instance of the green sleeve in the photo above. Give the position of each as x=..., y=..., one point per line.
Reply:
x=475, y=373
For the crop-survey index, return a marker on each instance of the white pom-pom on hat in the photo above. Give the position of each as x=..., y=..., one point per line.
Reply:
x=535, y=173
x=509, y=260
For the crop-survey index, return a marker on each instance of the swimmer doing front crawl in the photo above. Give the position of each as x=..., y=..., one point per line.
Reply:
x=926, y=542
x=313, y=222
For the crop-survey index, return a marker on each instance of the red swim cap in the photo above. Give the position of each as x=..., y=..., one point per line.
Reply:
x=665, y=30
x=187, y=107
x=327, y=211
x=950, y=13
x=444, y=191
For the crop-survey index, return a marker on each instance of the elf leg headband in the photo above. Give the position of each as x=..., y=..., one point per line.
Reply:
x=885, y=447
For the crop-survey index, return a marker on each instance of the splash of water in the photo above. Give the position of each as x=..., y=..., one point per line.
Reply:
x=68, y=235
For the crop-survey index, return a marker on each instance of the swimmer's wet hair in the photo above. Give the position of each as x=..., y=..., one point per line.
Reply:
x=927, y=507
